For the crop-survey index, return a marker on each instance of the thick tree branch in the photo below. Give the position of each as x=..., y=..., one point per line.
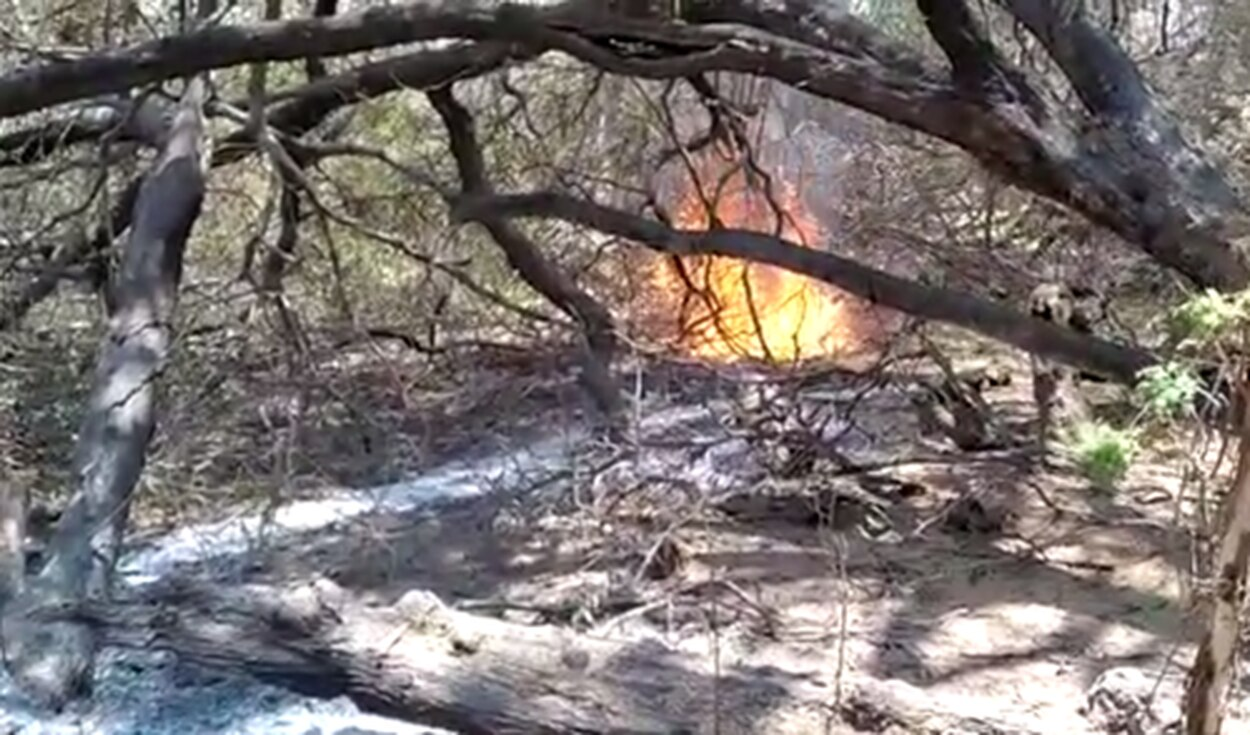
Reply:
x=45, y=85
x=528, y=260
x=1147, y=198
x=293, y=112
x=1117, y=362
x=421, y=660
x=976, y=66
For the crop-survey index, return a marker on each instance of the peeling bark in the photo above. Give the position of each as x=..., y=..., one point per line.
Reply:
x=54, y=663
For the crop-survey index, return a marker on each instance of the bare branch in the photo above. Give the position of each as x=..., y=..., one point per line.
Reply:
x=184, y=55
x=296, y=113
x=1103, y=75
x=999, y=322
x=528, y=260
x=1151, y=199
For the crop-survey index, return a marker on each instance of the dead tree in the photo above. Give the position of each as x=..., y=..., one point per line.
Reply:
x=54, y=662
x=1212, y=672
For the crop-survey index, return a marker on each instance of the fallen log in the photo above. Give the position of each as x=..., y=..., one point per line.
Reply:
x=423, y=661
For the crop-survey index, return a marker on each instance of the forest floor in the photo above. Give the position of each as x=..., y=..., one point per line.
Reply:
x=984, y=585
x=981, y=591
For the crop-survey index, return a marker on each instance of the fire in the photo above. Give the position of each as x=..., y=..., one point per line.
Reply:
x=729, y=309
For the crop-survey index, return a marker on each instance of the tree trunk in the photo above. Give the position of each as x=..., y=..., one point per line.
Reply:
x=1213, y=666
x=54, y=663
x=420, y=660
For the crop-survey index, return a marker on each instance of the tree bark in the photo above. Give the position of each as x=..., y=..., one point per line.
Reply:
x=1153, y=190
x=420, y=660
x=1211, y=674
x=54, y=663
x=12, y=543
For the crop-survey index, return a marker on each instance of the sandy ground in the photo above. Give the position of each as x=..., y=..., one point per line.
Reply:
x=942, y=591
x=984, y=588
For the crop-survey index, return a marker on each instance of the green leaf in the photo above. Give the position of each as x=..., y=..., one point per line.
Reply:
x=1168, y=390
x=1103, y=453
x=1209, y=316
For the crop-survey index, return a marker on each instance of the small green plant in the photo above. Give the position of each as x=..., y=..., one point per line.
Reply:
x=1167, y=391
x=1208, y=316
x=1102, y=452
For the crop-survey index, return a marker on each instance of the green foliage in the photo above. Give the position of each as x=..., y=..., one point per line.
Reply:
x=1209, y=316
x=895, y=17
x=1167, y=391
x=1102, y=452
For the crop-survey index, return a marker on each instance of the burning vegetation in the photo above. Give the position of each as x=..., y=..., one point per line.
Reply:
x=728, y=310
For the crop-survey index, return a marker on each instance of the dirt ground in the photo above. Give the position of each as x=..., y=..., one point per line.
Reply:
x=924, y=588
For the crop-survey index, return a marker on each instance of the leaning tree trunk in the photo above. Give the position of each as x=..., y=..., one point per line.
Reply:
x=1212, y=670
x=54, y=663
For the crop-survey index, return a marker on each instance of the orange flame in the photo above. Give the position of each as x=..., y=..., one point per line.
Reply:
x=729, y=309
